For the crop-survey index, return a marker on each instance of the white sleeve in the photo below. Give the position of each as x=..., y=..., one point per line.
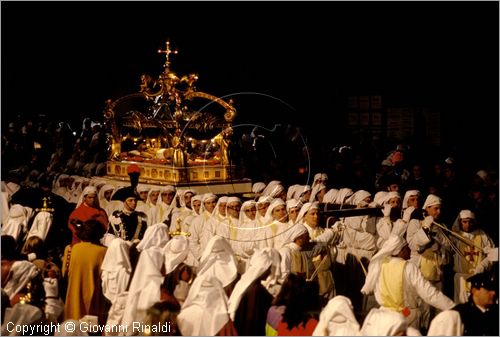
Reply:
x=329, y=236
x=486, y=263
x=427, y=292
x=415, y=235
x=194, y=239
x=286, y=262
x=399, y=227
x=384, y=228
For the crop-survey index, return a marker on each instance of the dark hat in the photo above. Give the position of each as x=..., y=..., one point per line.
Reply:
x=487, y=280
x=124, y=193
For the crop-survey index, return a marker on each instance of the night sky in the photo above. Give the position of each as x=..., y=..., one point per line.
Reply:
x=68, y=58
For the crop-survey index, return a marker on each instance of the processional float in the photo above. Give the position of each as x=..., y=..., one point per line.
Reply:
x=176, y=134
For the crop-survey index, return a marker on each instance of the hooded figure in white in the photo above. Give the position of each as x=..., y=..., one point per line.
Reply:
x=144, y=288
x=360, y=231
x=304, y=210
x=399, y=286
x=337, y=319
x=181, y=213
x=247, y=240
x=17, y=222
x=205, y=311
x=262, y=260
x=175, y=252
x=201, y=227
x=276, y=224
x=383, y=322
x=446, y=323
x=471, y=259
x=116, y=270
x=218, y=260
x=292, y=260
x=429, y=247
x=385, y=226
x=155, y=236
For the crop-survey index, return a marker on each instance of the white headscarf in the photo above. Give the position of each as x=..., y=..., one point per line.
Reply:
x=294, y=232
x=197, y=197
x=464, y=214
x=182, y=193
x=155, y=236
x=315, y=191
x=175, y=252
x=276, y=190
x=337, y=319
x=389, y=196
x=216, y=213
x=384, y=322
x=167, y=188
x=258, y=187
x=290, y=194
x=357, y=197
x=431, y=200
x=260, y=262
x=233, y=199
x=100, y=195
x=149, y=203
x=116, y=269
x=12, y=187
x=446, y=323
x=306, y=208
x=207, y=197
x=144, y=288
x=330, y=196
x=342, y=195
x=218, y=260
x=41, y=225
x=408, y=194
x=379, y=197
x=292, y=203
x=86, y=191
x=205, y=311
x=17, y=221
x=392, y=246
x=270, y=187
x=244, y=219
x=300, y=190
x=318, y=176
x=143, y=188
x=269, y=213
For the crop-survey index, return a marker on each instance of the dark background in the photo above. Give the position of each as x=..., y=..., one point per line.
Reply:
x=67, y=58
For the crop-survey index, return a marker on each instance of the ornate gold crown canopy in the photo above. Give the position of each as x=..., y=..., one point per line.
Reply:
x=162, y=124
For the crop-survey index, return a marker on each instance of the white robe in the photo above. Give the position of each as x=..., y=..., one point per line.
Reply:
x=415, y=289
x=475, y=262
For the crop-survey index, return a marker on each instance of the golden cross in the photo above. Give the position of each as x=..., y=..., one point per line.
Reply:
x=45, y=207
x=167, y=53
x=178, y=229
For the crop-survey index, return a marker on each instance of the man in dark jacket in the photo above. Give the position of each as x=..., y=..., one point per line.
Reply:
x=480, y=313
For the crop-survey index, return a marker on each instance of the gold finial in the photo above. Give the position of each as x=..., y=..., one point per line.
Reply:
x=167, y=53
x=45, y=207
x=178, y=229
